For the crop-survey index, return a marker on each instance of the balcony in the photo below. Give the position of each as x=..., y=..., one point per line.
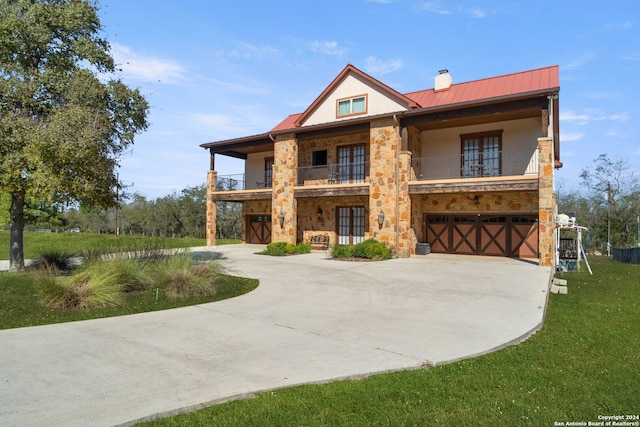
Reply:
x=475, y=165
x=238, y=182
x=334, y=174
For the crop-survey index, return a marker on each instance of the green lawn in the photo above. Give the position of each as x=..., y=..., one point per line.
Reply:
x=21, y=306
x=585, y=362
x=36, y=243
x=20, y=301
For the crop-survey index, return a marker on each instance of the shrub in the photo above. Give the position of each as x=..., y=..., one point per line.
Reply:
x=291, y=249
x=360, y=249
x=370, y=249
x=303, y=248
x=377, y=251
x=275, y=249
x=283, y=248
x=342, y=251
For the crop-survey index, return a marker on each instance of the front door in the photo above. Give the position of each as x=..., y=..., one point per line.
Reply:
x=259, y=229
x=350, y=225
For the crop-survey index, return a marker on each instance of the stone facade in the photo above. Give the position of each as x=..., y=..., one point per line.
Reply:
x=389, y=188
x=285, y=177
x=546, y=195
x=212, y=182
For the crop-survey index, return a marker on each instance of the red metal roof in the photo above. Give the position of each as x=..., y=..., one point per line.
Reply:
x=288, y=123
x=494, y=87
x=510, y=85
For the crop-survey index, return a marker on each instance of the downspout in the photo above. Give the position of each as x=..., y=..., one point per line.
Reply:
x=272, y=138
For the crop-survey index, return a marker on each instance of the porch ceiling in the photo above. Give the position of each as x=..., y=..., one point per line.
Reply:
x=240, y=196
x=509, y=110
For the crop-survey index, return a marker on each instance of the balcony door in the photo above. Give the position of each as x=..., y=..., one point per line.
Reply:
x=481, y=154
x=350, y=225
x=351, y=164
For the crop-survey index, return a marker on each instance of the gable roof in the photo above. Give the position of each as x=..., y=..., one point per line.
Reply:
x=510, y=86
x=350, y=69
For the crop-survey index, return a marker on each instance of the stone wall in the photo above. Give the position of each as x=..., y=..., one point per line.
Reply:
x=389, y=190
x=285, y=176
x=212, y=180
x=547, y=202
x=307, y=147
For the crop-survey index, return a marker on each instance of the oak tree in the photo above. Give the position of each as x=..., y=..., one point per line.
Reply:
x=64, y=120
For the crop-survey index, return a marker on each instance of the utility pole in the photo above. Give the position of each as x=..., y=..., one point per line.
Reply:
x=117, y=202
x=609, y=220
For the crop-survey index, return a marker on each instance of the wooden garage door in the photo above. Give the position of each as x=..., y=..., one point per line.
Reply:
x=498, y=235
x=259, y=229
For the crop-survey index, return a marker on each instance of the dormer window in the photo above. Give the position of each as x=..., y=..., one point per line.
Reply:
x=352, y=106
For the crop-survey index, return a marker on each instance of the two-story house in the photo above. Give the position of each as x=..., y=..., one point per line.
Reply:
x=467, y=167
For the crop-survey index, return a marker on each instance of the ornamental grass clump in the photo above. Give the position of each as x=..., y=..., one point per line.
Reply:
x=84, y=290
x=181, y=278
x=54, y=260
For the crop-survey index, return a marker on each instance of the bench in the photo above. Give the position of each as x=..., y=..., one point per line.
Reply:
x=319, y=241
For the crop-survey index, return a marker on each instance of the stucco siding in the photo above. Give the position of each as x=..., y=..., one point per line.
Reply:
x=377, y=101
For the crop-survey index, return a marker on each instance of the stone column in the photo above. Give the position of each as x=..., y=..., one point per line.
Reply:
x=212, y=182
x=285, y=176
x=407, y=239
x=546, y=202
x=389, y=187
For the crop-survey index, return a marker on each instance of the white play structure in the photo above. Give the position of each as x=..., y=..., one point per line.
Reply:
x=570, y=250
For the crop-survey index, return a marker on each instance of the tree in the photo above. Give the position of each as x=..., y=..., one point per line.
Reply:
x=613, y=199
x=63, y=124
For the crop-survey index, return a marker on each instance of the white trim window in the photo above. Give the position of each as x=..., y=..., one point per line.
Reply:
x=352, y=106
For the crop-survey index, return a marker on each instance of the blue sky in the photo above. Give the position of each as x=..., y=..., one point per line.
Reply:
x=219, y=70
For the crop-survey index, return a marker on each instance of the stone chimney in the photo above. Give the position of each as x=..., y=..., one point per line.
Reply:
x=443, y=80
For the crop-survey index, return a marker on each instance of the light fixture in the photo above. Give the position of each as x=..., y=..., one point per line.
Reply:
x=319, y=212
x=281, y=218
x=380, y=219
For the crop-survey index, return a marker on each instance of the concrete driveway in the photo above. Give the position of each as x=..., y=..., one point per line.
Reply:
x=311, y=320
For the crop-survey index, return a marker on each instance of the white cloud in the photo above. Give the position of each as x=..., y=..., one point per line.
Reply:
x=434, y=7
x=331, y=48
x=620, y=26
x=600, y=95
x=579, y=62
x=476, y=12
x=570, y=116
x=250, y=87
x=250, y=51
x=145, y=68
x=592, y=116
x=566, y=137
x=378, y=66
x=632, y=57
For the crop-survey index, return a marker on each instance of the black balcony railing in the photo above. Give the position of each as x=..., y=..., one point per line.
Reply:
x=502, y=163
